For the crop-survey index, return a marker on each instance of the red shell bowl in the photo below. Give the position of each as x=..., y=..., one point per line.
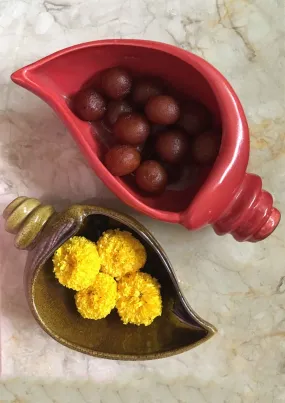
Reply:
x=228, y=198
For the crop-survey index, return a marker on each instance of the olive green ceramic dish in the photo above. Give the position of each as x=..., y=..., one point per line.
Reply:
x=41, y=231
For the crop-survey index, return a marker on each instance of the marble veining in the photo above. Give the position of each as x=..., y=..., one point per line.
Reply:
x=240, y=288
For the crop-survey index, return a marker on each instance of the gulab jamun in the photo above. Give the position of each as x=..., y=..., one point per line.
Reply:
x=205, y=147
x=89, y=105
x=116, y=82
x=122, y=160
x=162, y=109
x=115, y=109
x=151, y=177
x=132, y=128
x=194, y=118
x=172, y=146
x=146, y=88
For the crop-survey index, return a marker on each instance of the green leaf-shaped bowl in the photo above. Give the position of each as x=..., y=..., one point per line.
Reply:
x=41, y=230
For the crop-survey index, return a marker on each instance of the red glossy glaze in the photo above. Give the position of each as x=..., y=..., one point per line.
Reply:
x=228, y=198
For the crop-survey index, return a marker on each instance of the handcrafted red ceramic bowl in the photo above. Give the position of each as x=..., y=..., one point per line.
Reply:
x=226, y=196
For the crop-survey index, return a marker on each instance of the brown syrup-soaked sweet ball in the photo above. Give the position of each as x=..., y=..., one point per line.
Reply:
x=194, y=118
x=146, y=88
x=132, y=128
x=205, y=147
x=89, y=105
x=151, y=177
x=162, y=109
x=172, y=146
x=116, y=82
x=115, y=109
x=122, y=160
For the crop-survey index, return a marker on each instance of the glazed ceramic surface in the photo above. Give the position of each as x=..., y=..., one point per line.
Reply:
x=239, y=287
x=226, y=197
x=177, y=330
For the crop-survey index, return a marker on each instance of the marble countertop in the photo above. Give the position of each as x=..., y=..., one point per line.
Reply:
x=240, y=288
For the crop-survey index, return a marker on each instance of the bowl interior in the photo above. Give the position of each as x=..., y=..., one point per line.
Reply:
x=108, y=337
x=65, y=75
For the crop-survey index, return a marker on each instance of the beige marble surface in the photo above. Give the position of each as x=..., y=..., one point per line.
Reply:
x=240, y=288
